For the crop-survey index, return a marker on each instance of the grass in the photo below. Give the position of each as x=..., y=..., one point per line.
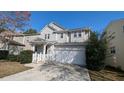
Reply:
x=107, y=74
x=9, y=68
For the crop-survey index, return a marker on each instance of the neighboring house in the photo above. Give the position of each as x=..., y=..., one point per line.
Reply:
x=7, y=42
x=56, y=43
x=114, y=33
x=24, y=39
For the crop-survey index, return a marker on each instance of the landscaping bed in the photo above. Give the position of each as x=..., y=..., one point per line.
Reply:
x=107, y=74
x=8, y=68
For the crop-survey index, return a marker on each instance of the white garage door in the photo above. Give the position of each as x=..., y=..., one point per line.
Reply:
x=70, y=54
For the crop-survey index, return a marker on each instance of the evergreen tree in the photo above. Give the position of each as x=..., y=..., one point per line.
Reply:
x=95, y=52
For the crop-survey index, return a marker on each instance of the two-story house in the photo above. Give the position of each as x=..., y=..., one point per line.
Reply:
x=114, y=33
x=56, y=43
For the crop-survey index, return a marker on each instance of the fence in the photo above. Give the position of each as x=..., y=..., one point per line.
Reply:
x=37, y=57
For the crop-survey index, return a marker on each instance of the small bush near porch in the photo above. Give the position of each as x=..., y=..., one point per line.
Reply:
x=8, y=68
x=25, y=56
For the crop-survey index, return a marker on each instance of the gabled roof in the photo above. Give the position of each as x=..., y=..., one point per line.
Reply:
x=12, y=42
x=39, y=41
x=113, y=22
x=57, y=25
x=51, y=27
x=10, y=33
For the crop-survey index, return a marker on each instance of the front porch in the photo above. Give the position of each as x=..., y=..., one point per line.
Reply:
x=42, y=50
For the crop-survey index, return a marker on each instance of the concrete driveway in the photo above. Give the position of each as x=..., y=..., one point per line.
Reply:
x=52, y=72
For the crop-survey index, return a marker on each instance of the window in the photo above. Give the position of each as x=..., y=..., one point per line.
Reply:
x=112, y=37
x=61, y=35
x=123, y=28
x=45, y=36
x=48, y=36
x=79, y=34
x=112, y=50
x=75, y=34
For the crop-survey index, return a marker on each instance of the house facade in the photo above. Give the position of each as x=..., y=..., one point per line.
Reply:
x=55, y=43
x=114, y=33
x=7, y=42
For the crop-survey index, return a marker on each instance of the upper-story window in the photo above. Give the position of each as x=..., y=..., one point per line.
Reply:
x=61, y=35
x=45, y=36
x=75, y=34
x=111, y=36
x=112, y=50
x=123, y=28
x=79, y=34
x=48, y=36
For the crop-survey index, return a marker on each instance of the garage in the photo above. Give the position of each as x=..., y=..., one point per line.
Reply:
x=72, y=54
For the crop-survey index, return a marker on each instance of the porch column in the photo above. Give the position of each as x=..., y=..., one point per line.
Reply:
x=67, y=36
x=33, y=55
x=53, y=49
x=44, y=50
x=33, y=48
x=53, y=52
x=24, y=40
x=56, y=36
x=6, y=45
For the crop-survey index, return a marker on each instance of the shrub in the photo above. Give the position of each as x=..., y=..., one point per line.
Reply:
x=95, y=52
x=13, y=58
x=4, y=54
x=25, y=56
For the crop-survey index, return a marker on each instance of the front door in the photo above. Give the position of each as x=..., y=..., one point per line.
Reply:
x=48, y=49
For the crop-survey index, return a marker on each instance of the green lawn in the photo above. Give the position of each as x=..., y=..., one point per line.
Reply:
x=9, y=68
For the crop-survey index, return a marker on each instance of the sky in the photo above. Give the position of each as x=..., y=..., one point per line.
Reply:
x=95, y=20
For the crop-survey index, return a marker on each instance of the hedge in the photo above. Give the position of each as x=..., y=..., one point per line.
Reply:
x=4, y=54
x=14, y=58
x=25, y=56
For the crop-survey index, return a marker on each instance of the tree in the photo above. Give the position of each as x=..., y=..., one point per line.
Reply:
x=95, y=52
x=14, y=20
x=30, y=31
